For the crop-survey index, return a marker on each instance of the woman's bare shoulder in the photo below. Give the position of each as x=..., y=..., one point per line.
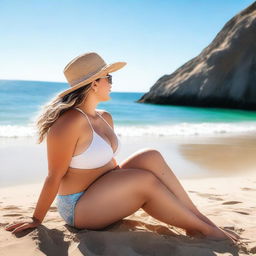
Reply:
x=106, y=115
x=71, y=121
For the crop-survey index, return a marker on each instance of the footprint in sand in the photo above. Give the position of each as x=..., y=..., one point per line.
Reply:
x=232, y=202
x=207, y=195
x=12, y=215
x=248, y=189
x=216, y=198
x=244, y=213
x=211, y=196
x=11, y=207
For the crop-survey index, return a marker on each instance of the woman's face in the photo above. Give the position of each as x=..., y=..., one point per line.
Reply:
x=102, y=89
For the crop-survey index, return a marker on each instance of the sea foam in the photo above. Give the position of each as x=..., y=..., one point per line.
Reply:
x=180, y=129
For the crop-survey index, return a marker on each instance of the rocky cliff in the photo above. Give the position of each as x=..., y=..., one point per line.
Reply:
x=222, y=75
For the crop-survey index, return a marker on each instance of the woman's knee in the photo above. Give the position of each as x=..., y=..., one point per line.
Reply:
x=143, y=158
x=152, y=153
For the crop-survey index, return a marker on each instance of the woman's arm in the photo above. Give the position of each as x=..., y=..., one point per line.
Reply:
x=45, y=200
x=47, y=195
x=61, y=140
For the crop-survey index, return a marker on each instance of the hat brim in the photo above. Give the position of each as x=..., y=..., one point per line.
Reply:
x=106, y=69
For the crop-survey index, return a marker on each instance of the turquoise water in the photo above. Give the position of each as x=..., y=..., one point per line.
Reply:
x=21, y=101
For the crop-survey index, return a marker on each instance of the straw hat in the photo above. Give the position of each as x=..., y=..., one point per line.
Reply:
x=85, y=69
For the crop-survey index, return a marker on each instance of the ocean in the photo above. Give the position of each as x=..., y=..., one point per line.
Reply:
x=21, y=101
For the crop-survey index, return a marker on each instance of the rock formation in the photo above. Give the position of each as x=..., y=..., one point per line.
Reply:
x=222, y=75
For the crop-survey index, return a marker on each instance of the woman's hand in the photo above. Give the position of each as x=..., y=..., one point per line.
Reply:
x=17, y=227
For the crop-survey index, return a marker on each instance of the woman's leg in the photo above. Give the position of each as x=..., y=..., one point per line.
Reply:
x=152, y=160
x=120, y=193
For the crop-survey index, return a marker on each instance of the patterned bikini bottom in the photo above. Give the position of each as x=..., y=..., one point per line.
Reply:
x=66, y=206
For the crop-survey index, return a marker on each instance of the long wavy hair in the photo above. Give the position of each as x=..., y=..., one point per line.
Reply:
x=52, y=110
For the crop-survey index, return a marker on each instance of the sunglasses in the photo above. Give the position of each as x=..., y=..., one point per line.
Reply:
x=109, y=77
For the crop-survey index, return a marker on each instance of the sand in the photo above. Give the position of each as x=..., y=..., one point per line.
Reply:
x=228, y=200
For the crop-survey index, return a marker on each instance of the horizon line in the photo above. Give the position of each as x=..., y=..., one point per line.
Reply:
x=44, y=81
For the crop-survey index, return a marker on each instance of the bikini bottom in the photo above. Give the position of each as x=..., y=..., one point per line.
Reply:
x=66, y=206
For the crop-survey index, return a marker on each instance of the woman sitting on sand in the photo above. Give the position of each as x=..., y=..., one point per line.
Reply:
x=93, y=190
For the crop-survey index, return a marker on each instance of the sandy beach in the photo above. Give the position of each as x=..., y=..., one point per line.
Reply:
x=217, y=172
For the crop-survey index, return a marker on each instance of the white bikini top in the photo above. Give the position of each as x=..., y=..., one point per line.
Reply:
x=98, y=153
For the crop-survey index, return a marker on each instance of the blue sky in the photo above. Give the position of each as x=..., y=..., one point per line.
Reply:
x=38, y=38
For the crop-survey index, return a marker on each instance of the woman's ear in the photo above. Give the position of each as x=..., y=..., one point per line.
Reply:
x=95, y=86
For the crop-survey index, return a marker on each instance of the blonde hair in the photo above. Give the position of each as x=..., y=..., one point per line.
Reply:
x=56, y=107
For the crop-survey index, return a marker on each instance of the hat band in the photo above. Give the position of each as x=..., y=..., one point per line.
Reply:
x=73, y=83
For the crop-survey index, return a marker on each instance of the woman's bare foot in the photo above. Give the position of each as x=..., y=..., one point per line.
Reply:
x=232, y=234
x=217, y=234
x=226, y=235
x=235, y=237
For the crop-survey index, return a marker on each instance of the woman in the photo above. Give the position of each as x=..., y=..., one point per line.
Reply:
x=93, y=190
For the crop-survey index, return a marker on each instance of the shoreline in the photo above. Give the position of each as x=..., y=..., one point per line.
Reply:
x=189, y=157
